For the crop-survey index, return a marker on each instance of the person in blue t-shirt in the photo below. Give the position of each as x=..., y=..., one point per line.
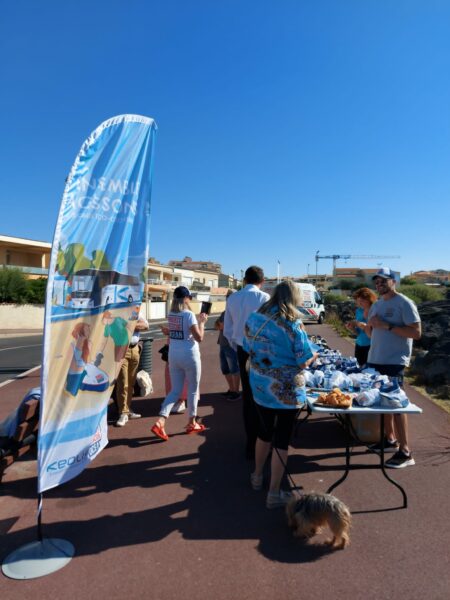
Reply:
x=279, y=349
x=364, y=298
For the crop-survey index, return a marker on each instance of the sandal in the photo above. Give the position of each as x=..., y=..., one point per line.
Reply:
x=159, y=432
x=195, y=428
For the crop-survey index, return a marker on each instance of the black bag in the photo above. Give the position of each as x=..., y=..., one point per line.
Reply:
x=164, y=351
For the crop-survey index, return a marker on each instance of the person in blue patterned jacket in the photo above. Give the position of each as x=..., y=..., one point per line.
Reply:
x=279, y=349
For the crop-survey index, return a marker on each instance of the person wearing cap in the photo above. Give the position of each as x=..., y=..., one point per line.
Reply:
x=394, y=323
x=186, y=331
x=239, y=307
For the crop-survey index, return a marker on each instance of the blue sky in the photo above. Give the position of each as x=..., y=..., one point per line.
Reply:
x=285, y=127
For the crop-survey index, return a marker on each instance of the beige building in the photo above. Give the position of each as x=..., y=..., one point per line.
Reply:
x=196, y=265
x=33, y=258
x=30, y=256
x=438, y=276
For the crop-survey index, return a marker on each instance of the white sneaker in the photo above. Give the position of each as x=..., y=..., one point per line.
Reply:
x=256, y=481
x=178, y=408
x=122, y=420
x=133, y=415
x=278, y=499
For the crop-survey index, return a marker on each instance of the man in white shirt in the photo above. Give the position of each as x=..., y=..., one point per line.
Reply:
x=239, y=307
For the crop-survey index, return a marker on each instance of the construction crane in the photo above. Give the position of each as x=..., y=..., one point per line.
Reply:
x=336, y=257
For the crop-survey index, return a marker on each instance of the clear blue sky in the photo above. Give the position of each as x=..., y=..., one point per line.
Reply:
x=285, y=127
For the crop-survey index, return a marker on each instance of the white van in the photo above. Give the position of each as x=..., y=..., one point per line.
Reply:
x=311, y=308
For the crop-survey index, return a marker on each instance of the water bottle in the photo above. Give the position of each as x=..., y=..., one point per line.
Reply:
x=327, y=378
x=365, y=383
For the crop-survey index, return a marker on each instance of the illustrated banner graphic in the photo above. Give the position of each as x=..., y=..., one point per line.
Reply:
x=95, y=288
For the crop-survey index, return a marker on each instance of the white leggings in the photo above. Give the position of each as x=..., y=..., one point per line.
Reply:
x=183, y=364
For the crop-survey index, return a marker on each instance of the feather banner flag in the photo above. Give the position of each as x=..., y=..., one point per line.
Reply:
x=95, y=288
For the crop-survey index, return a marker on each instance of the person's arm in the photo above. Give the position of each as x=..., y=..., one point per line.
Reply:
x=219, y=322
x=309, y=361
x=303, y=351
x=228, y=325
x=413, y=331
x=198, y=330
x=365, y=327
x=103, y=346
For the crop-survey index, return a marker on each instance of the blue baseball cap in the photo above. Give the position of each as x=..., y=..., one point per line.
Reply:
x=182, y=292
x=385, y=273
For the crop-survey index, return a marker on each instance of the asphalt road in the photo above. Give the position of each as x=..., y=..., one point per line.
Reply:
x=19, y=354
x=22, y=353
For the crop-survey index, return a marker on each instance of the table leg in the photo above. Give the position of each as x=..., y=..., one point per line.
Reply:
x=346, y=422
x=405, y=498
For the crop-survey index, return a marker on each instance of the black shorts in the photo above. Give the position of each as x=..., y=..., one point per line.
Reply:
x=390, y=370
x=276, y=425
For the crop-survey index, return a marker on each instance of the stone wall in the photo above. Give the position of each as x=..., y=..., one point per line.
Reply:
x=21, y=316
x=431, y=363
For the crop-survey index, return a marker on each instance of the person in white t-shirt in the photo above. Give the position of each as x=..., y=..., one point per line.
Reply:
x=185, y=332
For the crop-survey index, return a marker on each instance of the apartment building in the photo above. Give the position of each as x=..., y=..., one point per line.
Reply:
x=30, y=256
x=196, y=265
x=33, y=258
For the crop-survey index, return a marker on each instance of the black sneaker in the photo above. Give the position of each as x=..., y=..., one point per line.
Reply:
x=400, y=460
x=388, y=446
x=233, y=396
x=226, y=394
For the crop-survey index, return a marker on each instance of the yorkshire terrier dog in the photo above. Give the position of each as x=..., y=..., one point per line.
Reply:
x=307, y=514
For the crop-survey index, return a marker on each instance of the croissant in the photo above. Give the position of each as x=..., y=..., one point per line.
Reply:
x=336, y=398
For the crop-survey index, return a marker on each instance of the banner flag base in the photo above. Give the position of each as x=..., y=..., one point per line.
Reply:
x=38, y=558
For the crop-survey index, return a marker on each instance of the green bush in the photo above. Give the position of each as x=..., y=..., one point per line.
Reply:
x=333, y=319
x=407, y=280
x=36, y=290
x=419, y=293
x=330, y=298
x=13, y=286
x=17, y=289
x=346, y=284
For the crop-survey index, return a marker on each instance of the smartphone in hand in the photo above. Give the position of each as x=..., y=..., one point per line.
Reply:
x=206, y=307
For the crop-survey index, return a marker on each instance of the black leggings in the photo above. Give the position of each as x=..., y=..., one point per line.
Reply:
x=276, y=425
x=361, y=354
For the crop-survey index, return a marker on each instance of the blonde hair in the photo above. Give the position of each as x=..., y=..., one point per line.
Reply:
x=285, y=299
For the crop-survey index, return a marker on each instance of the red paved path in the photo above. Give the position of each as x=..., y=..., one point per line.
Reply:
x=178, y=519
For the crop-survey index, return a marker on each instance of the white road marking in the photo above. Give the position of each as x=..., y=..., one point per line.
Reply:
x=21, y=376
x=19, y=347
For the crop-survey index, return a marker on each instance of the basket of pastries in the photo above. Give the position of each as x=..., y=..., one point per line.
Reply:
x=336, y=399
